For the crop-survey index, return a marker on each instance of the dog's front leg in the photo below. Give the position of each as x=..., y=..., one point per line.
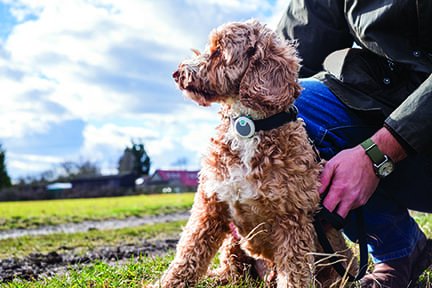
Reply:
x=293, y=257
x=203, y=235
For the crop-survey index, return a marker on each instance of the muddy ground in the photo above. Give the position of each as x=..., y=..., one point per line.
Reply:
x=91, y=225
x=38, y=265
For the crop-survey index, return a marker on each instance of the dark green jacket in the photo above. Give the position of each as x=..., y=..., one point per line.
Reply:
x=389, y=74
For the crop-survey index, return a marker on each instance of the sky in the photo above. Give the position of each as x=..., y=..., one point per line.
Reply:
x=81, y=79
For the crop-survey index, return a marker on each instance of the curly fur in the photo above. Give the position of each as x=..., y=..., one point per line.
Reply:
x=266, y=185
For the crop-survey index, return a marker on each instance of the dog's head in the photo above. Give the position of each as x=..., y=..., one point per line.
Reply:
x=243, y=63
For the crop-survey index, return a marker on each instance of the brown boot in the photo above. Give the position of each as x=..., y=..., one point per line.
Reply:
x=403, y=272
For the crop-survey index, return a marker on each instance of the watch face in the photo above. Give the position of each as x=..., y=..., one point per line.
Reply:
x=385, y=169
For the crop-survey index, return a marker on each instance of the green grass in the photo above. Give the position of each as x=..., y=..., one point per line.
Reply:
x=32, y=214
x=85, y=241
x=100, y=274
x=131, y=274
x=122, y=274
x=425, y=222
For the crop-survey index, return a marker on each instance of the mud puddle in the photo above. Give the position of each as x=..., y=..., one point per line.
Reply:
x=38, y=265
x=92, y=225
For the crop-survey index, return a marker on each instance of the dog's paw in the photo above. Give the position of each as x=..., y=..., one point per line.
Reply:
x=220, y=276
x=225, y=275
x=265, y=271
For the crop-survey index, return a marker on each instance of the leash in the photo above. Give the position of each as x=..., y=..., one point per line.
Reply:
x=338, y=222
x=332, y=218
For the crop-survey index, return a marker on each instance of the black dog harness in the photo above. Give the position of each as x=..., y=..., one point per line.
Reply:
x=323, y=217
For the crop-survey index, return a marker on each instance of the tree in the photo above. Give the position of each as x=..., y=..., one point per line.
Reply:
x=88, y=168
x=71, y=170
x=5, y=180
x=135, y=160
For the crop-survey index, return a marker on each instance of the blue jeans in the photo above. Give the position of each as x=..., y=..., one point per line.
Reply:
x=332, y=126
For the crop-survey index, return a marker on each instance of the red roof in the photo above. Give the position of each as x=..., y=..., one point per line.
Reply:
x=186, y=178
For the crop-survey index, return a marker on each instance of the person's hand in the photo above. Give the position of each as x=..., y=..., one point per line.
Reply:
x=350, y=179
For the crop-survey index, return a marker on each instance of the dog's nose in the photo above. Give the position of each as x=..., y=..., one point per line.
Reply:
x=176, y=75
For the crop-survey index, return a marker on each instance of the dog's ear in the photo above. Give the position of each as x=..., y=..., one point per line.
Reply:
x=270, y=81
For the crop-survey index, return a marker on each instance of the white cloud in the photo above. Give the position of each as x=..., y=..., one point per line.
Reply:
x=28, y=164
x=26, y=108
x=71, y=43
x=183, y=133
x=108, y=63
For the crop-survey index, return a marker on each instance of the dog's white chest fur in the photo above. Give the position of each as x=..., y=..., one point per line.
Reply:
x=236, y=187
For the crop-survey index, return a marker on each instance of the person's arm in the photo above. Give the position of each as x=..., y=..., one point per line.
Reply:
x=389, y=145
x=319, y=27
x=411, y=122
x=350, y=177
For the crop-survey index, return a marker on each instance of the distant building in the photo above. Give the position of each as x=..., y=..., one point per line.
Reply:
x=109, y=185
x=83, y=187
x=59, y=186
x=161, y=181
x=169, y=181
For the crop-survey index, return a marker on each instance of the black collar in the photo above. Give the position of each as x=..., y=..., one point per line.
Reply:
x=245, y=127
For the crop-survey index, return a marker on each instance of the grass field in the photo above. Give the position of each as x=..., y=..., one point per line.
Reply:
x=32, y=214
x=116, y=274
x=131, y=274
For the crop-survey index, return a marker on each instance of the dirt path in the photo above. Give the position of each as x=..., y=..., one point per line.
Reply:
x=90, y=225
x=38, y=265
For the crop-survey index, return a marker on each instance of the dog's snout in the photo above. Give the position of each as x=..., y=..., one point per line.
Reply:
x=176, y=75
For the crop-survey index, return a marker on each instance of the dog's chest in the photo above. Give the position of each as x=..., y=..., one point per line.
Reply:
x=236, y=186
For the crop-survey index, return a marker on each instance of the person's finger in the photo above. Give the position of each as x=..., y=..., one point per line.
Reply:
x=343, y=209
x=332, y=199
x=326, y=177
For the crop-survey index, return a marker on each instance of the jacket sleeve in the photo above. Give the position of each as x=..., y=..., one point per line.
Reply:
x=319, y=27
x=412, y=120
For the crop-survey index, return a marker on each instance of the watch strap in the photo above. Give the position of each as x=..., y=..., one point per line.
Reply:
x=373, y=151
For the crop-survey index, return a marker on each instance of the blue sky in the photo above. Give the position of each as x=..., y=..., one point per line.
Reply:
x=80, y=78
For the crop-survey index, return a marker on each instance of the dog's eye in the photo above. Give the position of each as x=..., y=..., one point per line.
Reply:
x=215, y=53
x=251, y=51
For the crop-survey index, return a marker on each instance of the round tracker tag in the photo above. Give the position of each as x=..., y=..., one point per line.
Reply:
x=244, y=127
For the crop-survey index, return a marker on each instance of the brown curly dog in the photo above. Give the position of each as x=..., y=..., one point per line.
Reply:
x=266, y=185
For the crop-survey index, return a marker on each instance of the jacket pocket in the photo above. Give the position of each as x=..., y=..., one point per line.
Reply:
x=369, y=74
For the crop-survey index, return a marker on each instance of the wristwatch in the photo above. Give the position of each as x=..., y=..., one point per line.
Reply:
x=382, y=163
